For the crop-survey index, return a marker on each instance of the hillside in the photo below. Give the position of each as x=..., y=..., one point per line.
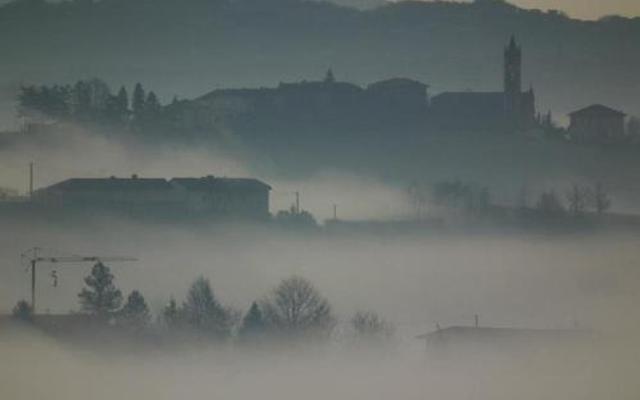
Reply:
x=186, y=47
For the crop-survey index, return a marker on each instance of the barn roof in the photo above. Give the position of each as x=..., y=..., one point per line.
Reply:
x=597, y=110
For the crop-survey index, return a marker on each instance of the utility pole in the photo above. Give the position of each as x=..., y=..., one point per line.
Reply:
x=297, y=202
x=31, y=181
x=335, y=212
x=33, y=281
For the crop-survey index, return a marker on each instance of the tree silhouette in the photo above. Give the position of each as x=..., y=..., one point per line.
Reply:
x=172, y=315
x=550, y=205
x=101, y=298
x=370, y=326
x=138, y=102
x=22, y=311
x=204, y=313
x=253, y=324
x=601, y=200
x=135, y=312
x=578, y=198
x=295, y=308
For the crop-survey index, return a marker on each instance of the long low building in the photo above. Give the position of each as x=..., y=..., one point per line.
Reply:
x=209, y=195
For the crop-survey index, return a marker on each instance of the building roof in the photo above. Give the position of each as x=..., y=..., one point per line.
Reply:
x=397, y=82
x=111, y=184
x=485, y=99
x=597, y=110
x=483, y=333
x=214, y=183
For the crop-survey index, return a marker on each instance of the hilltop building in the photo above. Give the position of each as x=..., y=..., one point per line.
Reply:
x=223, y=197
x=510, y=109
x=329, y=106
x=326, y=103
x=597, y=124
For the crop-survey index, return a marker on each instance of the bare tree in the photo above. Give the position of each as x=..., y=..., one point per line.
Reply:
x=370, y=326
x=578, y=198
x=295, y=307
x=601, y=200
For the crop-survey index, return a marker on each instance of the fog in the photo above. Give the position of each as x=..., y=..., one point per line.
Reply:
x=589, y=282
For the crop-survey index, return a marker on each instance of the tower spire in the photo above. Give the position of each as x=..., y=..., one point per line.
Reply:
x=513, y=81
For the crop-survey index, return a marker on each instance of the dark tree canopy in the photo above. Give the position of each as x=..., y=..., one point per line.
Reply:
x=101, y=297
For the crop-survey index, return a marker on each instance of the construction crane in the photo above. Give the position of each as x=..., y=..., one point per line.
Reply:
x=34, y=258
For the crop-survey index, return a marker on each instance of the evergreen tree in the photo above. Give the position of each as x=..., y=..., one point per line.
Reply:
x=23, y=311
x=253, y=324
x=204, y=313
x=171, y=314
x=101, y=298
x=152, y=103
x=135, y=312
x=138, y=102
x=81, y=100
x=152, y=111
x=122, y=103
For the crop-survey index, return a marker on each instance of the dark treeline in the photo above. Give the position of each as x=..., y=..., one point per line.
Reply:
x=293, y=310
x=92, y=102
x=470, y=200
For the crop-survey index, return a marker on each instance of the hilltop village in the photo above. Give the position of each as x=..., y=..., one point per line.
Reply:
x=313, y=113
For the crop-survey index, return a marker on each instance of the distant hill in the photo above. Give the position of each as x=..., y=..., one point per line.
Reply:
x=187, y=47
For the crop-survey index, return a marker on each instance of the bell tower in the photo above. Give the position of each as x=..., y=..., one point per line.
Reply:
x=513, y=80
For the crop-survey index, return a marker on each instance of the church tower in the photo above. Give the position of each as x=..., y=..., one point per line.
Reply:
x=513, y=81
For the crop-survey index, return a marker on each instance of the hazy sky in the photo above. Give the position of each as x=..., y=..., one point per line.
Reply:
x=577, y=8
x=586, y=8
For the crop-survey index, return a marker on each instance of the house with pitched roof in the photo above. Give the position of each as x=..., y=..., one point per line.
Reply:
x=597, y=124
